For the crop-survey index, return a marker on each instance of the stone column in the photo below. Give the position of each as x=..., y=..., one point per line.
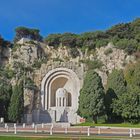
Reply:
x=56, y=102
x=61, y=101
x=65, y=104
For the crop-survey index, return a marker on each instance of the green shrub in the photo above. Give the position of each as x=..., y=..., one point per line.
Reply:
x=15, y=47
x=108, y=51
x=74, y=52
x=101, y=43
x=53, y=40
x=58, y=59
x=128, y=45
x=37, y=64
x=24, y=32
x=29, y=82
x=124, y=35
x=102, y=119
x=10, y=73
x=93, y=64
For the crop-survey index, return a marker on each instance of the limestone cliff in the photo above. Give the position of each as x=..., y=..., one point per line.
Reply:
x=42, y=58
x=33, y=60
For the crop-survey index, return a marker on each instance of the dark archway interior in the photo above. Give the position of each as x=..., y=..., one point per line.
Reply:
x=69, y=99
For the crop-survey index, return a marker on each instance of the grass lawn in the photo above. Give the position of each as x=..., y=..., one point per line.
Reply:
x=26, y=138
x=111, y=125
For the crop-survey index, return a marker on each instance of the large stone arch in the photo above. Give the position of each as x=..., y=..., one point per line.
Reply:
x=57, y=78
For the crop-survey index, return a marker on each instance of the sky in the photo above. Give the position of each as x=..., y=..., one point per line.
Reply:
x=59, y=16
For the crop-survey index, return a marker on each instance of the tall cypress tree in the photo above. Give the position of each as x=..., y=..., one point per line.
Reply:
x=5, y=95
x=116, y=82
x=16, y=108
x=91, y=99
x=116, y=88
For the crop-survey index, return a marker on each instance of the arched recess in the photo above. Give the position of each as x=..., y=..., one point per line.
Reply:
x=63, y=74
x=58, y=82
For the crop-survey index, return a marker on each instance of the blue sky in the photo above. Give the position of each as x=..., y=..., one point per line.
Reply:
x=58, y=16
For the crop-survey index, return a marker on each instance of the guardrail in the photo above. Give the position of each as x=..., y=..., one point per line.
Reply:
x=51, y=129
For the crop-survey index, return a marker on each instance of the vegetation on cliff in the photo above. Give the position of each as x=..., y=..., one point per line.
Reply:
x=24, y=32
x=125, y=36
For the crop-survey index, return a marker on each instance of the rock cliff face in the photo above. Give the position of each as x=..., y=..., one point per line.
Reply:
x=112, y=58
x=26, y=53
x=38, y=59
x=31, y=53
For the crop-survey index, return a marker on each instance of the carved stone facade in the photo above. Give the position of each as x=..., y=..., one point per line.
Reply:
x=51, y=78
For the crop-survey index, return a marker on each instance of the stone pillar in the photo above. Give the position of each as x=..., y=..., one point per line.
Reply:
x=65, y=102
x=61, y=101
x=56, y=102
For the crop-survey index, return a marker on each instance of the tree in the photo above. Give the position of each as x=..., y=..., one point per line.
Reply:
x=132, y=74
x=5, y=95
x=24, y=32
x=128, y=45
x=16, y=108
x=91, y=99
x=79, y=41
x=122, y=30
x=74, y=52
x=123, y=98
x=124, y=36
x=92, y=65
x=68, y=39
x=116, y=86
x=53, y=40
x=117, y=82
x=127, y=105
